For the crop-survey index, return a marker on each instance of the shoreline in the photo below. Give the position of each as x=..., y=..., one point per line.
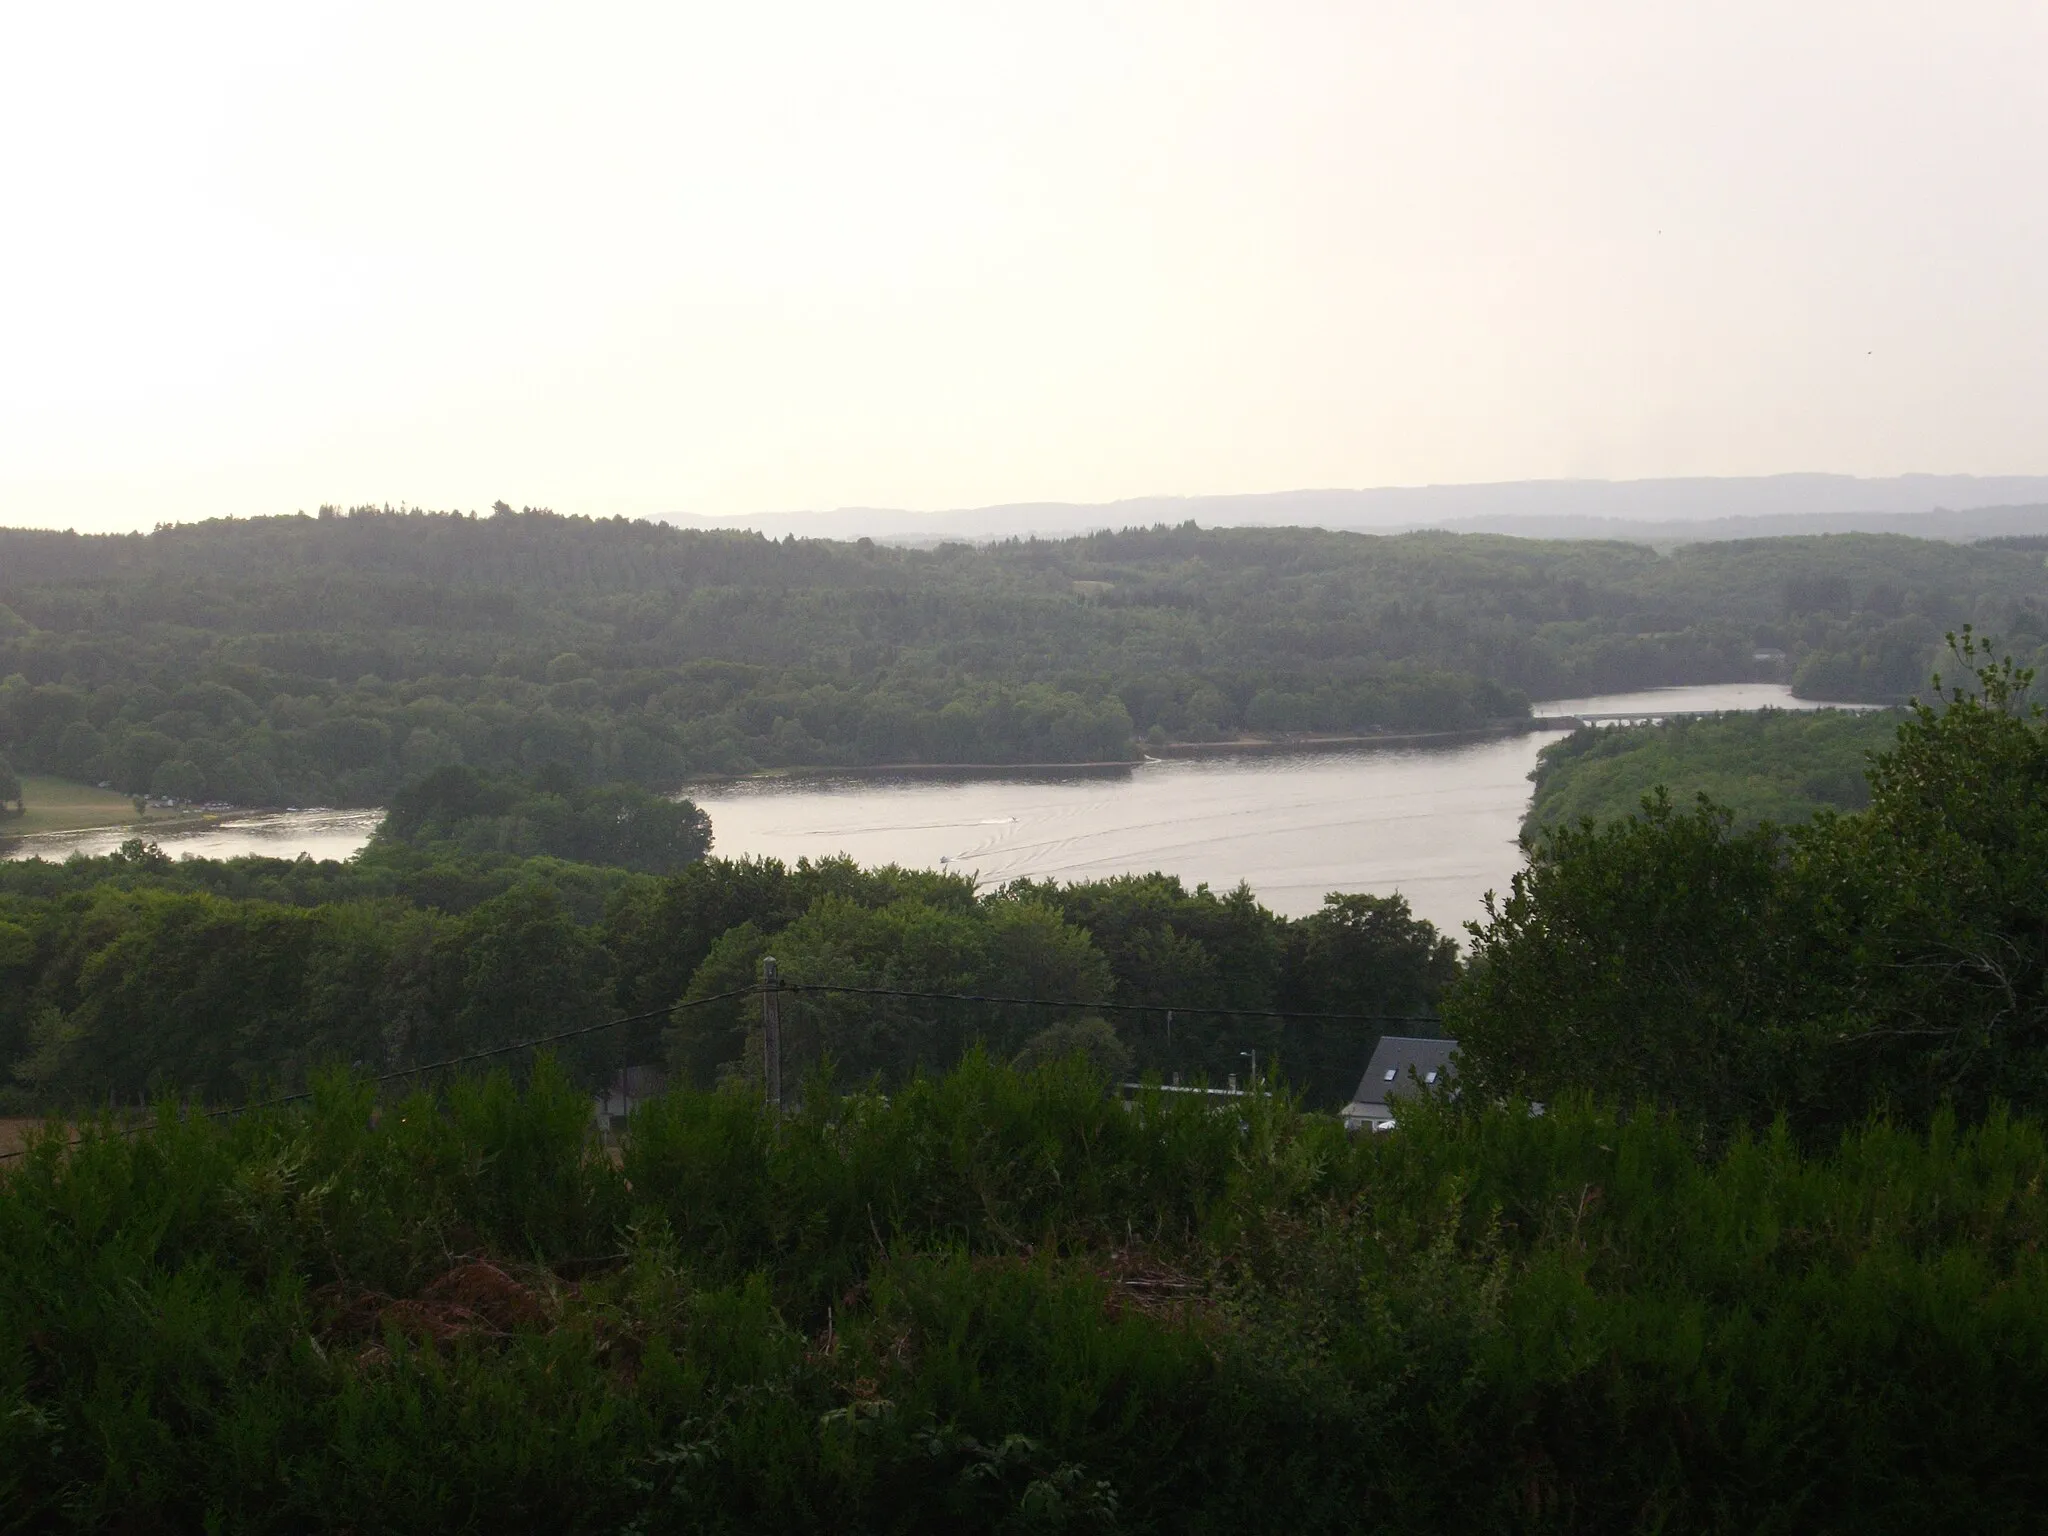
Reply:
x=1279, y=745
x=1242, y=746
x=165, y=828
x=15, y=845
x=1106, y=769
x=199, y=821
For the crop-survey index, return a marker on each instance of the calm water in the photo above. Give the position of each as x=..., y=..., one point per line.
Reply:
x=275, y=834
x=1436, y=824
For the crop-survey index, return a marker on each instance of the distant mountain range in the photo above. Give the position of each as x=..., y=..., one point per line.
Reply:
x=1660, y=512
x=1960, y=527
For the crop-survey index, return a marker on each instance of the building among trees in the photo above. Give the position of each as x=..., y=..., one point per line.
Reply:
x=1400, y=1065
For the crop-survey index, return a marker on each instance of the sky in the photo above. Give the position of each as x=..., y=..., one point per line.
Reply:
x=733, y=258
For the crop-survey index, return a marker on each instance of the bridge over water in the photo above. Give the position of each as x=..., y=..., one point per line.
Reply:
x=1625, y=717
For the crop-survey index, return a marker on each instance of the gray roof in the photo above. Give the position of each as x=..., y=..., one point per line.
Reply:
x=1394, y=1058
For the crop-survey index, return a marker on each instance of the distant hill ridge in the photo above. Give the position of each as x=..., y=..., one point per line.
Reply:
x=1963, y=527
x=1660, y=512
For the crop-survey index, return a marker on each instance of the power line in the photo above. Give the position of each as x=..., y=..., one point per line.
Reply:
x=567, y=1034
x=794, y=986
x=1071, y=1002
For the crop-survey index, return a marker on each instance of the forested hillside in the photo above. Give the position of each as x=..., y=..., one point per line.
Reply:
x=327, y=659
x=1763, y=765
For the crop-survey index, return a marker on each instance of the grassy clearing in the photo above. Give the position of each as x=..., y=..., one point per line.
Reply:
x=997, y=1302
x=58, y=805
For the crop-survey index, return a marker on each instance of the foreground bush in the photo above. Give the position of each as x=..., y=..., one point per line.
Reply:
x=1895, y=959
x=1010, y=1302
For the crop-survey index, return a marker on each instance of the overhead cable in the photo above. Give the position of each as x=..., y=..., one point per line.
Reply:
x=1073, y=1002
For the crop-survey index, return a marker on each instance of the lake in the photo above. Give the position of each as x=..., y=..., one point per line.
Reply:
x=322, y=834
x=1435, y=822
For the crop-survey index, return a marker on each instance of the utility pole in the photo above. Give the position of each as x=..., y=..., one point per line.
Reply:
x=625, y=1079
x=771, y=1032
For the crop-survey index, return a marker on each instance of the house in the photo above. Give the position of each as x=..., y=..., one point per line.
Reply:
x=626, y=1087
x=1400, y=1065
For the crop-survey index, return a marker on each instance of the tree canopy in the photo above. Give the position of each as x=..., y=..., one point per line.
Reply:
x=1891, y=959
x=133, y=973
x=464, y=810
x=328, y=659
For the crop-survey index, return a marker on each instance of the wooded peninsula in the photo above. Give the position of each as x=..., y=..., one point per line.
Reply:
x=1763, y=765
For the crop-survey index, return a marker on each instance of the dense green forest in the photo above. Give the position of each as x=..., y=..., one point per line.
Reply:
x=1770, y=1256
x=1893, y=959
x=1888, y=956
x=1764, y=765
x=329, y=659
x=463, y=810
x=133, y=974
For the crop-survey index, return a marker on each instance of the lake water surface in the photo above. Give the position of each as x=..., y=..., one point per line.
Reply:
x=1436, y=823
x=320, y=834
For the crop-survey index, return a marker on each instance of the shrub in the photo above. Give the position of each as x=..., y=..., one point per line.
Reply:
x=999, y=1301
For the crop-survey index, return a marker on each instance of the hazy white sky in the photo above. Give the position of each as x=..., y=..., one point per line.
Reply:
x=736, y=257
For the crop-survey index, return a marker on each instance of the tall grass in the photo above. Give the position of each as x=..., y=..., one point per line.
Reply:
x=998, y=1301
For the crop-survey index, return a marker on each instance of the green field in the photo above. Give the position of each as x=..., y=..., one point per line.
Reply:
x=57, y=805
